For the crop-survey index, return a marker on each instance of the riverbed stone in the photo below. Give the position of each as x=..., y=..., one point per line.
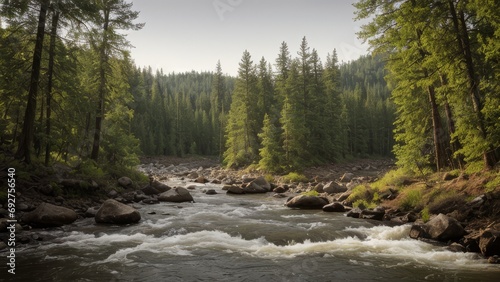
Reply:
x=333, y=187
x=91, y=212
x=49, y=215
x=125, y=182
x=347, y=177
x=307, y=202
x=334, y=207
x=115, y=212
x=176, y=195
x=253, y=188
x=262, y=182
x=375, y=214
x=489, y=242
x=354, y=213
x=161, y=187
x=149, y=190
x=444, y=228
x=233, y=189
x=440, y=228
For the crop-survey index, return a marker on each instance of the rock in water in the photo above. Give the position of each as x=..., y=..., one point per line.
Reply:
x=262, y=182
x=489, y=242
x=48, y=215
x=253, y=188
x=440, y=228
x=334, y=207
x=376, y=214
x=235, y=190
x=113, y=211
x=307, y=202
x=444, y=228
x=176, y=195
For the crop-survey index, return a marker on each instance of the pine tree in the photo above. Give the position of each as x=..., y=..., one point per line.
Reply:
x=270, y=151
x=114, y=15
x=295, y=131
x=242, y=140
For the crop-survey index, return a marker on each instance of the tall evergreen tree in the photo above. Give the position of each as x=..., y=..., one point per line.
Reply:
x=242, y=140
x=114, y=15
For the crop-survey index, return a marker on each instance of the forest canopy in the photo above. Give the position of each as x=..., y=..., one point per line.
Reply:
x=428, y=95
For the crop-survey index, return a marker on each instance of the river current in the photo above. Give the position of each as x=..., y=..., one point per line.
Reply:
x=243, y=238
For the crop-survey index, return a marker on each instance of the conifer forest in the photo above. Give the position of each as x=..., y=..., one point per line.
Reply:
x=427, y=95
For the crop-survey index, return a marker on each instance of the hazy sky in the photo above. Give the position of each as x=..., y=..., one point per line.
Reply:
x=185, y=35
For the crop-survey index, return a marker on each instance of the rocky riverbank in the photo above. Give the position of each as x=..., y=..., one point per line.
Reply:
x=471, y=226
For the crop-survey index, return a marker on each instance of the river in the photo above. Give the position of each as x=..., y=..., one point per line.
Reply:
x=243, y=238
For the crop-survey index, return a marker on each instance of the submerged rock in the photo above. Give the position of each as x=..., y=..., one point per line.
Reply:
x=115, y=212
x=48, y=215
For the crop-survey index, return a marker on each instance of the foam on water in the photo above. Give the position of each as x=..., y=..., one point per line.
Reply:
x=378, y=242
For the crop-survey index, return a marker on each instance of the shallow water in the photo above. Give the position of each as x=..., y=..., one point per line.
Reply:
x=244, y=238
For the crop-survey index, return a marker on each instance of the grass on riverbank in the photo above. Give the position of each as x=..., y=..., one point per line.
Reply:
x=429, y=194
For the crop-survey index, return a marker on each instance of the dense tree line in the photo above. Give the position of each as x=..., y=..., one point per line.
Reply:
x=443, y=63
x=70, y=91
x=65, y=80
x=303, y=112
x=180, y=113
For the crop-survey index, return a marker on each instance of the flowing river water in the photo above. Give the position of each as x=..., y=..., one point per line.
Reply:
x=243, y=238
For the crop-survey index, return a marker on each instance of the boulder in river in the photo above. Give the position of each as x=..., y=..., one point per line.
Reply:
x=489, y=242
x=262, y=182
x=48, y=215
x=253, y=188
x=160, y=186
x=375, y=214
x=233, y=189
x=334, y=207
x=440, y=228
x=176, y=195
x=307, y=202
x=115, y=212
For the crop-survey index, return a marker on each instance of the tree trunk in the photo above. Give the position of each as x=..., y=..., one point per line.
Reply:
x=94, y=155
x=455, y=144
x=53, y=34
x=462, y=36
x=437, y=130
x=23, y=149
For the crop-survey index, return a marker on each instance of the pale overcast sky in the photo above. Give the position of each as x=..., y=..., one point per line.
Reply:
x=185, y=35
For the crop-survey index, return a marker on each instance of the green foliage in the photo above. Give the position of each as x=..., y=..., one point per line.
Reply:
x=411, y=199
x=444, y=80
x=360, y=192
x=364, y=204
x=392, y=178
x=269, y=177
x=311, y=193
x=294, y=177
x=90, y=169
x=425, y=214
x=493, y=185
